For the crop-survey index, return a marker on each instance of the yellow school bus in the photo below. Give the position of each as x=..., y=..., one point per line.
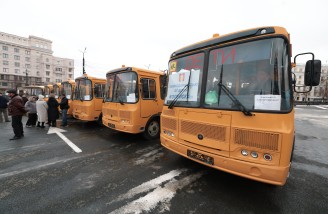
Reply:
x=67, y=88
x=33, y=90
x=134, y=100
x=219, y=113
x=88, y=98
x=48, y=89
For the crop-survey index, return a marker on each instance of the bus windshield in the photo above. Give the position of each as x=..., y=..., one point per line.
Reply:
x=47, y=91
x=83, y=89
x=67, y=90
x=122, y=88
x=254, y=73
x=33, y=91
x=56, y=91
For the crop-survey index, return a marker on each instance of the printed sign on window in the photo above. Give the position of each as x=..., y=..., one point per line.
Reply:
x=267, y=102
x=179, y=80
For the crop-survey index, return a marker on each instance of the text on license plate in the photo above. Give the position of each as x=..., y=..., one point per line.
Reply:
x=201, y=157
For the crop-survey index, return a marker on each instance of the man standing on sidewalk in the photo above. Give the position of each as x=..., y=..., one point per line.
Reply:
x=16, y=110
x=3, y=108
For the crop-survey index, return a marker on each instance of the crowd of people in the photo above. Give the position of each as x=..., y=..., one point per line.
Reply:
x=38, y=111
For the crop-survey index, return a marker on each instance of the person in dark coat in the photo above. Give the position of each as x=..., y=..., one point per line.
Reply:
x=53, y=113
x=16, y=110
x=3, y=108
x=64, y=108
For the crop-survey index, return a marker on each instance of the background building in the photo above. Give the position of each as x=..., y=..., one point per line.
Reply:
x=318, y=92
x=29, y=61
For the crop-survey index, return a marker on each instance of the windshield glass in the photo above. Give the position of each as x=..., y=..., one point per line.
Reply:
x=33, y=91
x=254, y=72
x=83, y=89
x=56, y=91
x=122, y=87
x=67, y=90
x=185, y=78
x=47, y=91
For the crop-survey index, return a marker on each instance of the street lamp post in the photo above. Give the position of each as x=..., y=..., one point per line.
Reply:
x=83, y=60
x=26, y=83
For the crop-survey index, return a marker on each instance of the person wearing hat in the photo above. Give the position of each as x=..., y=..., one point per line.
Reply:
x=3, y=108
x=16, y=110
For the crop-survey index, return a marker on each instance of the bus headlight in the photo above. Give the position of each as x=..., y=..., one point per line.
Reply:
x=244, y=152
x=254, y=155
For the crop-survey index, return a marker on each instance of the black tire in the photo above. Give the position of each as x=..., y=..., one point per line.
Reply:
x=99, y=121
x=152, y=129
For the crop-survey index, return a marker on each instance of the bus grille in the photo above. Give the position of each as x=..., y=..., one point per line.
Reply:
x=169, y=123
x=261, y=140
x=125, y=114
x=112, y=112
x=169, y=112
x=208, y=131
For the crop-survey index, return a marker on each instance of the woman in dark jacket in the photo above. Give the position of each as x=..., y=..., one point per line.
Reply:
x=53, y=113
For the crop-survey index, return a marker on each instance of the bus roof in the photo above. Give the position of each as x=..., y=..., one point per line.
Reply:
x=86, y=76
x=134, y=69
x=68, y=81
x=249, y=33
x=34, y=86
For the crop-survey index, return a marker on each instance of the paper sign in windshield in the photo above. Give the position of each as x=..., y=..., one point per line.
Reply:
x=267, y=102
x=179, y=80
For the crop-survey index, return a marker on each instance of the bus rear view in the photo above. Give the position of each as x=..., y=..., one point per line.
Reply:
x=229, y=104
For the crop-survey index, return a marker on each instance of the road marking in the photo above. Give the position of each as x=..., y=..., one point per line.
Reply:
x=67, y=141
x=321, y=107
x=159, y=191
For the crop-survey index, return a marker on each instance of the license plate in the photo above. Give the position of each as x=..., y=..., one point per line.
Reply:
x=110, y=125
x=201, y=157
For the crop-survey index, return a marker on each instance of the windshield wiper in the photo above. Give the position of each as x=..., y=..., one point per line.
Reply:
x=235, y=100
x=120, y=101
x=178, y=95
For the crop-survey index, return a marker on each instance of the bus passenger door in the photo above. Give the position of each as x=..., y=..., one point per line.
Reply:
x=148, y=102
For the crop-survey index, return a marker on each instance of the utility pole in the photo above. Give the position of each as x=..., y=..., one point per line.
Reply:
x=83, y=62
x=26, y=83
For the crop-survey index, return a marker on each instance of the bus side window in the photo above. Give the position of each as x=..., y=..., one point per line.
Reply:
x=148, y=88
x=99, y=90
x=162, y=80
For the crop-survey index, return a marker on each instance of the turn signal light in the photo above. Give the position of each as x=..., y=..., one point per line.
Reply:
x=267, y=157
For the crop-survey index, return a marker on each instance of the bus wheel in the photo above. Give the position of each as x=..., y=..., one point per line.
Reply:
x=99, y=121
x=152, y=129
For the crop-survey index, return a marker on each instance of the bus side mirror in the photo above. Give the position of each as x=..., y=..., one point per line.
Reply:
x=312, y=73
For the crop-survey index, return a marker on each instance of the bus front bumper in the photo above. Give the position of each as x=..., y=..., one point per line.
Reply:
x=264, y=173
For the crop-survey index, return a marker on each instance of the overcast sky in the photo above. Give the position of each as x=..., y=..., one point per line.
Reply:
x=143, y=33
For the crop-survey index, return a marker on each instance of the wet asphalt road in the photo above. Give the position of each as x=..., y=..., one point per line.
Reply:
x=123, y=173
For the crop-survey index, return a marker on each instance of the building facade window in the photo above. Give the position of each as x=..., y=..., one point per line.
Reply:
x=4, y=55
x=17, y=64
x=5, y=48
x=47, y=73
x=47, y=66
x=38, y=73
x=47, y=79
x=27, y=52
x=16, y=57
x=17, y=71
x=27, y=59
x=6, y=70
x=5, y=62
x=47, y=60
x=16, y=50
x=27, y=66
x=59, y=69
